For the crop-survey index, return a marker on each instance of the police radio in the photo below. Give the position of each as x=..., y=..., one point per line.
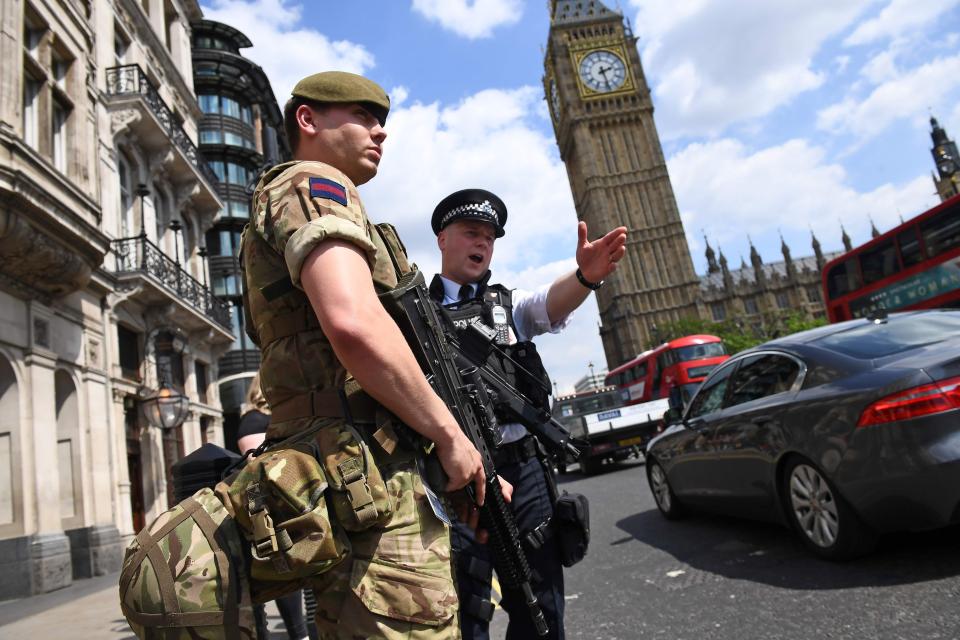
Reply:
x=500, y=324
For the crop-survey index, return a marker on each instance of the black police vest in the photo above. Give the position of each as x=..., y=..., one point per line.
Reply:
x=493, y=305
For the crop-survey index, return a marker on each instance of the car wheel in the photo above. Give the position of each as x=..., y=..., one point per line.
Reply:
x=662, y=493
x=824, y=520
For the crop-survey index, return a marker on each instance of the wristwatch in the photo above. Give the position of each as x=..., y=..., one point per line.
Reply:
x=587, y=283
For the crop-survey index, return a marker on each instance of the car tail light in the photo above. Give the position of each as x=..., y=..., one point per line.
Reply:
x=940, y=396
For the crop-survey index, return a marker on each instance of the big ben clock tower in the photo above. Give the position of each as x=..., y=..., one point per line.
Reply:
x=603, y=119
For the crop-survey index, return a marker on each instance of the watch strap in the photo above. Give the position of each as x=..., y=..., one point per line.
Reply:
x=589, y=285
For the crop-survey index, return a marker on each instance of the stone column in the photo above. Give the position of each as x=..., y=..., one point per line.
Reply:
x=97, y=549
x=11, y=30
x=49, y=548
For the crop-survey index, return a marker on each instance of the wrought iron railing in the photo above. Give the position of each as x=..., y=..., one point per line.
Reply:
x=130, y=79
x=139, y=255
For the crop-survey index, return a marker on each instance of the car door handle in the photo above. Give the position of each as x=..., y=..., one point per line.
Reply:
x=761, y=420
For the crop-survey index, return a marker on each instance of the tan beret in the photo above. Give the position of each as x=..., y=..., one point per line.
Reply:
x=340, y=86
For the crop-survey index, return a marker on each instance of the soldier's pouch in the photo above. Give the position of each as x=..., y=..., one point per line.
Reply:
x=396, y=592
x=279, y=501
x=358, y=492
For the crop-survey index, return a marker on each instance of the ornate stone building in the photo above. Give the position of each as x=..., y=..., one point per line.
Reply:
x=104, y=201
x=241, y=131
x=603, y=120
x=762, y=291
x=947, y=161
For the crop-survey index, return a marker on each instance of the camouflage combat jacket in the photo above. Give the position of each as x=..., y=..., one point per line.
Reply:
x=296, y=206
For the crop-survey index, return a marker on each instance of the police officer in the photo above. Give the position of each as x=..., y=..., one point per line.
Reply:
x=332, y=357
x=467, y=223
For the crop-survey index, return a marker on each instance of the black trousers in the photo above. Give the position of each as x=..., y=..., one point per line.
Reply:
x=531, y=505
x=291, y=610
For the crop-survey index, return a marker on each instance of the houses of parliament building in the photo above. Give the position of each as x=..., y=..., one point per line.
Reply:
x=602, y=113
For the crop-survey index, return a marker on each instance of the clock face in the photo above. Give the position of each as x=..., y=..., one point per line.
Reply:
x=555, y=99
x=603, y=71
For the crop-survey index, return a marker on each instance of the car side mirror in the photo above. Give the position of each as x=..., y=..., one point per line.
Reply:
x=672, y=416
x=676, y=398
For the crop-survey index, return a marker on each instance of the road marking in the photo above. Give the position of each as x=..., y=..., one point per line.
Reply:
x=496, y=596
x=674, y=574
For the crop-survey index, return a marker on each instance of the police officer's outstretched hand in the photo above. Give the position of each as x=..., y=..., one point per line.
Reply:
x=598, y=259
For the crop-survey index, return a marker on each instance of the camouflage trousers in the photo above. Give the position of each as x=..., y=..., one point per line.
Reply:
x=397, y=581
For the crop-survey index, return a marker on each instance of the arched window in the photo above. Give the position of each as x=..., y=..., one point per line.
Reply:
x=9, y=443
x=68, y=452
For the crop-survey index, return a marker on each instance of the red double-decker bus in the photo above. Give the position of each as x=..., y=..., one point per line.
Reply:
x=913, y=266
x=683, y=363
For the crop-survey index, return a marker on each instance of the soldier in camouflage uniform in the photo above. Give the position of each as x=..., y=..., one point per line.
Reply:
x=314, y=264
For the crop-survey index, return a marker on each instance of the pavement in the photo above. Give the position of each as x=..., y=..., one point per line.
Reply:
x=90, y=610
x=86, y=610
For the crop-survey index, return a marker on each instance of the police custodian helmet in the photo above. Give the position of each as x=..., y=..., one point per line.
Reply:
x=470, y=204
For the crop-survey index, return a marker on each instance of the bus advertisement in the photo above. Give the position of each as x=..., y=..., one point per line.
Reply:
x=915, y=265
x=682, y=363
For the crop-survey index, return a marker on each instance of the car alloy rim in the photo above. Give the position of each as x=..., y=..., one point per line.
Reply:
x=661, y=490
x=814, y=506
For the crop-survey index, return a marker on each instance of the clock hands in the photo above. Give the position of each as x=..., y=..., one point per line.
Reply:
x=603, y=72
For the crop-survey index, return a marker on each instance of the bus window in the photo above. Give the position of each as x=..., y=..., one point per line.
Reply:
x=909, y=247
x=879, y=262
x=843, y=278
x=699, y=351
x=639, y=371
x=941, y=232
x=660, y=365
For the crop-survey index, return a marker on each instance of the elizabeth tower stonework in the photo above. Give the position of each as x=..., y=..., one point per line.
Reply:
x=603, y=118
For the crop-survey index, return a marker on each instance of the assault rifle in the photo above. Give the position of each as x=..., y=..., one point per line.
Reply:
x=476, y=342
x=459, y=384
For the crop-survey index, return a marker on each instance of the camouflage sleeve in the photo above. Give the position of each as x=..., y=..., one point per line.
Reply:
x=308, y=204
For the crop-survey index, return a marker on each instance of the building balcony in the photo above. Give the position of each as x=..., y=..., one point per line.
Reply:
x=135, y=104
x=159, y=281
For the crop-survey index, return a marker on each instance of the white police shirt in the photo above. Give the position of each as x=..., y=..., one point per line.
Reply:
x=530, y=318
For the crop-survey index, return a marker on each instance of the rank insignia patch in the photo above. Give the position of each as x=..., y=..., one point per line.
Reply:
x=330, y=189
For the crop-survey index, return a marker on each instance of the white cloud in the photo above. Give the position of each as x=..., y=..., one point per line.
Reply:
x=718, y=63
x=398, y=95
x=285, y=49
x=897, y=18
x=841, y=63
x=791, y=186
x=881, y=67
x=470, y=18
x=904, y=96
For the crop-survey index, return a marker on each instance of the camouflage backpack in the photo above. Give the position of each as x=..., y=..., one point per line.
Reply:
x=264, y=531
x=185, y=576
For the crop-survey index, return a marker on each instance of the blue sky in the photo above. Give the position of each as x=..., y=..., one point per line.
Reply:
x=775, y=117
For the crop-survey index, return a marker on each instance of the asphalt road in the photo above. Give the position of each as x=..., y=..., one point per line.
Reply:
x=710, y=577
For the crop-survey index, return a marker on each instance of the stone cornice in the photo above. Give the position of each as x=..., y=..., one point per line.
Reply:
x=23, y=193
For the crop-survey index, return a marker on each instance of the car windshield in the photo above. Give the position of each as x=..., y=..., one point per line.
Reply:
x=877, y=340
